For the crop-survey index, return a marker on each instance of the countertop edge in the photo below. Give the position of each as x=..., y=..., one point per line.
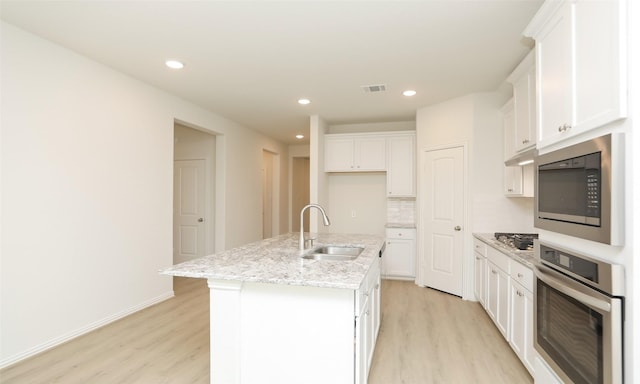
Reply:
x=523, y=257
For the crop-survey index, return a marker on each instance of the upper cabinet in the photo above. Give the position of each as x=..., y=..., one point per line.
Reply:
x=393, y=152
x=354, y=153
x=401, y=170
x=581, y=66
x=523, y=80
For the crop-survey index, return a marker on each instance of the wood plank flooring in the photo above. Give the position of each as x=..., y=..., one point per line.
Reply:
x=426, y=337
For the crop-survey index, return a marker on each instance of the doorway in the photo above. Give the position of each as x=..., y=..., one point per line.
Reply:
x=299, y=192
x=442, y=202
x=194, y=194
x=270, y=194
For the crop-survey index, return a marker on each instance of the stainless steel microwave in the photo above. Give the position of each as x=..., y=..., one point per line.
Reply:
x=580, y=190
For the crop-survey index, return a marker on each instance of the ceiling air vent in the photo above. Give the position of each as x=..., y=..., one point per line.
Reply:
x=374, y=88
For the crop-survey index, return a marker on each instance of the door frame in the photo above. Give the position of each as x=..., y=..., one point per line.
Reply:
x=467, y=260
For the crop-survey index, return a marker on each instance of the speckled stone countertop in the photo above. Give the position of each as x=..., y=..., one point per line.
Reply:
x=278, y=261
x=401, y=225
x=523, y=257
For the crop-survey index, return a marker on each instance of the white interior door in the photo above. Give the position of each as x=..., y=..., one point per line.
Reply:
x=441, y=216
x=188, y=210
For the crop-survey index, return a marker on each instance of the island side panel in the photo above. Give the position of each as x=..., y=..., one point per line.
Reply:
x=287, y=334
x=225, y=315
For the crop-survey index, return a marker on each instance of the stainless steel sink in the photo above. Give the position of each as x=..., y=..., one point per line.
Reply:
x=334, y=252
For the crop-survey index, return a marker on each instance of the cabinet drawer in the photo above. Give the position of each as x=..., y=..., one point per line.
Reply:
x=480, y=247
x=523, y=275
x=498, y=258
x=401, y=233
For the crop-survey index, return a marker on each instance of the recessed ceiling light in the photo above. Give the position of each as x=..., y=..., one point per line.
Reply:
x=174, y=64
x=299, y=136
x=304, y=101
x=409, y=92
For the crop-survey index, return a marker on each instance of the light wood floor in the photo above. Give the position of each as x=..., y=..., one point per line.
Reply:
x=426, y=337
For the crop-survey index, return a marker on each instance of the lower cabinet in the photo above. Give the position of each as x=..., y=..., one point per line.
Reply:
x=399, y=261
x=498, y=297
x=504, y=287
x=367, y=323
x=521, y=323
x=480, y=267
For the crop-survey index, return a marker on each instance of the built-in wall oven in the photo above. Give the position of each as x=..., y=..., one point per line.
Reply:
x=579, y=190
x=578, y=315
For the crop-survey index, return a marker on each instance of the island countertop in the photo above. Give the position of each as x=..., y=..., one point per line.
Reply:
x=278, y=260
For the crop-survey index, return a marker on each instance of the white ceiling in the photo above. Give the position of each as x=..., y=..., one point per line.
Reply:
x=251, y=61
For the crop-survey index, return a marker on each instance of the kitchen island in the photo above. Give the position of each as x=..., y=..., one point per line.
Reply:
x=279, y=318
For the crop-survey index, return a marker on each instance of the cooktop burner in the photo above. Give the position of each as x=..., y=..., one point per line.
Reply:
x=522, y=241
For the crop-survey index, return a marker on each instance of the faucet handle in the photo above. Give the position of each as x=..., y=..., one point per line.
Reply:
x=308, y=243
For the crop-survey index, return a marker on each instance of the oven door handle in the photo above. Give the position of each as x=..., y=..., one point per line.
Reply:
x=557, y=284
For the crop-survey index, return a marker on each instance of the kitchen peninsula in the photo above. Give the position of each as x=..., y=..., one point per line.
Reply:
x=279, y=318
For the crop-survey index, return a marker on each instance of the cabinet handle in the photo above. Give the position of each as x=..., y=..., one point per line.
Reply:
x=520, y=275
x=509, y=190
x=526, y=141
x=564, y=127
x=494, y=272
x=519, y=293
x=478, y=257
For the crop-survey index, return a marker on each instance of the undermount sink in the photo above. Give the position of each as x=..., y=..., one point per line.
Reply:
x=334, y=252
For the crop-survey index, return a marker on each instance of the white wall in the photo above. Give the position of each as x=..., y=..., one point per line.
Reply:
x=87, y=174
x=361, y=194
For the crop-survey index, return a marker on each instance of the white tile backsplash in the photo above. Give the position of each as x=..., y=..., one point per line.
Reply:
x=401, y=211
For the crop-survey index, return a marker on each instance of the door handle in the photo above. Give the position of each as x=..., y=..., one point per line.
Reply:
x=200, y=220
x=457, y=228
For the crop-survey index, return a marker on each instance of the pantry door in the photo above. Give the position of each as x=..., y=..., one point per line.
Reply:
x=188, y=210
x=441, y=219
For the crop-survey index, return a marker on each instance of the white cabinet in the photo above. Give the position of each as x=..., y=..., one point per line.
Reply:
x=367, y=322
x=480, y=266
x=354, y=153
x=581, y=66
x=523, y=80
x=498, y=290
x=521, y=324
x=518, y=180
x=399, y=260
x=513, y=180
x=401, y=174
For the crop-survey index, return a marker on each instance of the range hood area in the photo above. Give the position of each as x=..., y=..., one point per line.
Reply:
x=522, y=158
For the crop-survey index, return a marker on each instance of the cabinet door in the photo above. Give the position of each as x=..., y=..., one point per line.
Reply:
x=555, y=75
x=338, y=154
x=370, y=154
x=399, y=259
x=498, y=298
x=600, y=87
x=521, y=325
x=581, y=64
x=401, y=166
x=513, y=181
x=480, y=274
x=524, y=101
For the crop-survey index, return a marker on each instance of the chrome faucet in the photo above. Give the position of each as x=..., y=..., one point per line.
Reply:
x=324, y=218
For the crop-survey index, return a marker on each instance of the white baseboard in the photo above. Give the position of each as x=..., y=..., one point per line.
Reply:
x=81, y=331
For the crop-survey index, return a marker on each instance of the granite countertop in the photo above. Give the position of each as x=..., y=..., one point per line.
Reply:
x=524, y=257
x=278, y=261
x=400, y=225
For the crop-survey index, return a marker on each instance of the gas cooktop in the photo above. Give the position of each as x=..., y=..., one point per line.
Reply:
x=521, y=241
